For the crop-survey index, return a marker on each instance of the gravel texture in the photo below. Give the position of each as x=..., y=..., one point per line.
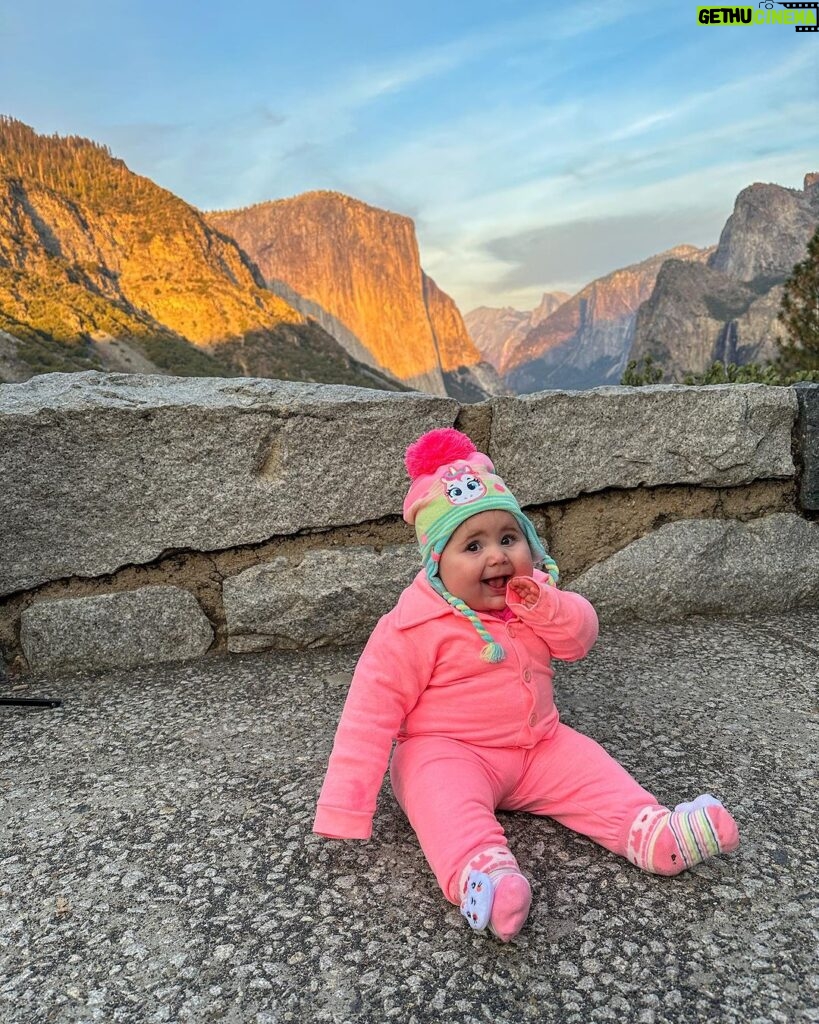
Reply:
x=157, y=863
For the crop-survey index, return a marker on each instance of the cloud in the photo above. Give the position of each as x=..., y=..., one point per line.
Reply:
x=271, y=118
x=311, y=150
x=334, y=111
x=583, y=250
x=545, y=26
x=538, y=135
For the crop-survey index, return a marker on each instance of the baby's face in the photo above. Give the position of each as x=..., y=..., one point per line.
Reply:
x=482, y=555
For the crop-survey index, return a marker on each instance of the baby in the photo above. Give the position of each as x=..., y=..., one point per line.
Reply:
x=459, y=673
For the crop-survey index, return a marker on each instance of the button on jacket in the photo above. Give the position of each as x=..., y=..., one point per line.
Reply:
x=421, y=674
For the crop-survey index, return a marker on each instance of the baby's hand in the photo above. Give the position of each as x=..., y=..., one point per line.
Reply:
x=524, y=589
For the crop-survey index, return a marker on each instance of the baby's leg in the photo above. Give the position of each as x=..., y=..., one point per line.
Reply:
x=572, y=779
x=449, y=793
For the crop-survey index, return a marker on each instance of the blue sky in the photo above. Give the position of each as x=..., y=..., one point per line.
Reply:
x=536, y=145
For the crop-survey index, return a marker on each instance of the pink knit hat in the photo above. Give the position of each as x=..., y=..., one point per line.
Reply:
x=452, y=481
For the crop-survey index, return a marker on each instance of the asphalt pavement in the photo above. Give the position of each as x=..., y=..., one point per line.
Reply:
x=157, y=862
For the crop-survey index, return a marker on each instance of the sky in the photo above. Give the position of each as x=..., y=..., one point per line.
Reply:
x=536, y=145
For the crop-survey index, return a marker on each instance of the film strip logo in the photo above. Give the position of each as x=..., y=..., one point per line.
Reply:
x=799, y=7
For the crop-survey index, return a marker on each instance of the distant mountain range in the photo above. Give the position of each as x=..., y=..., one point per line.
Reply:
x=686, y=308
x=496, y=331
x=100, y=267
x=586, y=341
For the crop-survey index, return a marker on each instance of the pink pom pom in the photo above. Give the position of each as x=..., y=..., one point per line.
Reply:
x=435, y=449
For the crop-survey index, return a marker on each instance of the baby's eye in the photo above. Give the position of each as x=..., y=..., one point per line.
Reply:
x=508, y=538
x=472, y=546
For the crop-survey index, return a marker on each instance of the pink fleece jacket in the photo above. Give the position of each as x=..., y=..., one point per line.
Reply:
x=421, y=674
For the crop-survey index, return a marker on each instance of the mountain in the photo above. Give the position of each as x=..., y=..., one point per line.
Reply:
x=100, y=267
x=357, y=270
x=496, y=329
x=727, y=309
x=586, y=341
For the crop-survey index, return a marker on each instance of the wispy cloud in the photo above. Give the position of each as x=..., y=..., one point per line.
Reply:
x=509, y=132
x=328, y=117
x=729, y=134
x=548, y=25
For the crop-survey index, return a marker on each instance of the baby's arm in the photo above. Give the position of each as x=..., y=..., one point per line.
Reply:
x=564, y=620
x=387, y=682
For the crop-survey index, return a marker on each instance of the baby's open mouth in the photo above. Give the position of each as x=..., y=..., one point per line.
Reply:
x=496, y=582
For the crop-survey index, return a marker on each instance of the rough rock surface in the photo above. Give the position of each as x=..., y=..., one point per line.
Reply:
x=697, y=315
x=124, y=630
x=753, y=337
x=559, y=444
x=709, y=567
x=332, y=596
x=100, y=471
x=158, y=865
x=808, y=434
x=768, y=231
x=589, y=529
x=456, y=350
x=726, y=311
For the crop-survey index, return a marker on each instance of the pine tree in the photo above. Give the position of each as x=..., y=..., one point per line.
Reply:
x=799, y=314
x=640, y=372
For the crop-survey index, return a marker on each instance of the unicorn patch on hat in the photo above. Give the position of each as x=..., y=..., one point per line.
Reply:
x=462, y=485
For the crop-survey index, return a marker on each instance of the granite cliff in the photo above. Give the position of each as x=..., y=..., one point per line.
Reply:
x=727, y=309
x=100, y=267
x=357, y=270
x=586, y=341
x=494, y=330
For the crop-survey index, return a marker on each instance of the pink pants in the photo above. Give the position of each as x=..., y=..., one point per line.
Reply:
x=450, y=791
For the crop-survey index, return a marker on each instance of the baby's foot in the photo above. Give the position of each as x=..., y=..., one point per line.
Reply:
x=503, y=906
x=667, y=842
x=495, y=893
x=510, y=908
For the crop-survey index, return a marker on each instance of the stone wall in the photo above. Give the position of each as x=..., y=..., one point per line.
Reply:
x=152, y=518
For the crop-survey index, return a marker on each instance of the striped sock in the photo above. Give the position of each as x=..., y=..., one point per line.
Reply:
x=667, y=842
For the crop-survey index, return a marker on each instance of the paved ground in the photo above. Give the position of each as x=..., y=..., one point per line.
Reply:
x=157, y=864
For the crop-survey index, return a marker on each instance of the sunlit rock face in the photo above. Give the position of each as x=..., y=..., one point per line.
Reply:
x=357, y=270
x=586, y=341
x=101, y=268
